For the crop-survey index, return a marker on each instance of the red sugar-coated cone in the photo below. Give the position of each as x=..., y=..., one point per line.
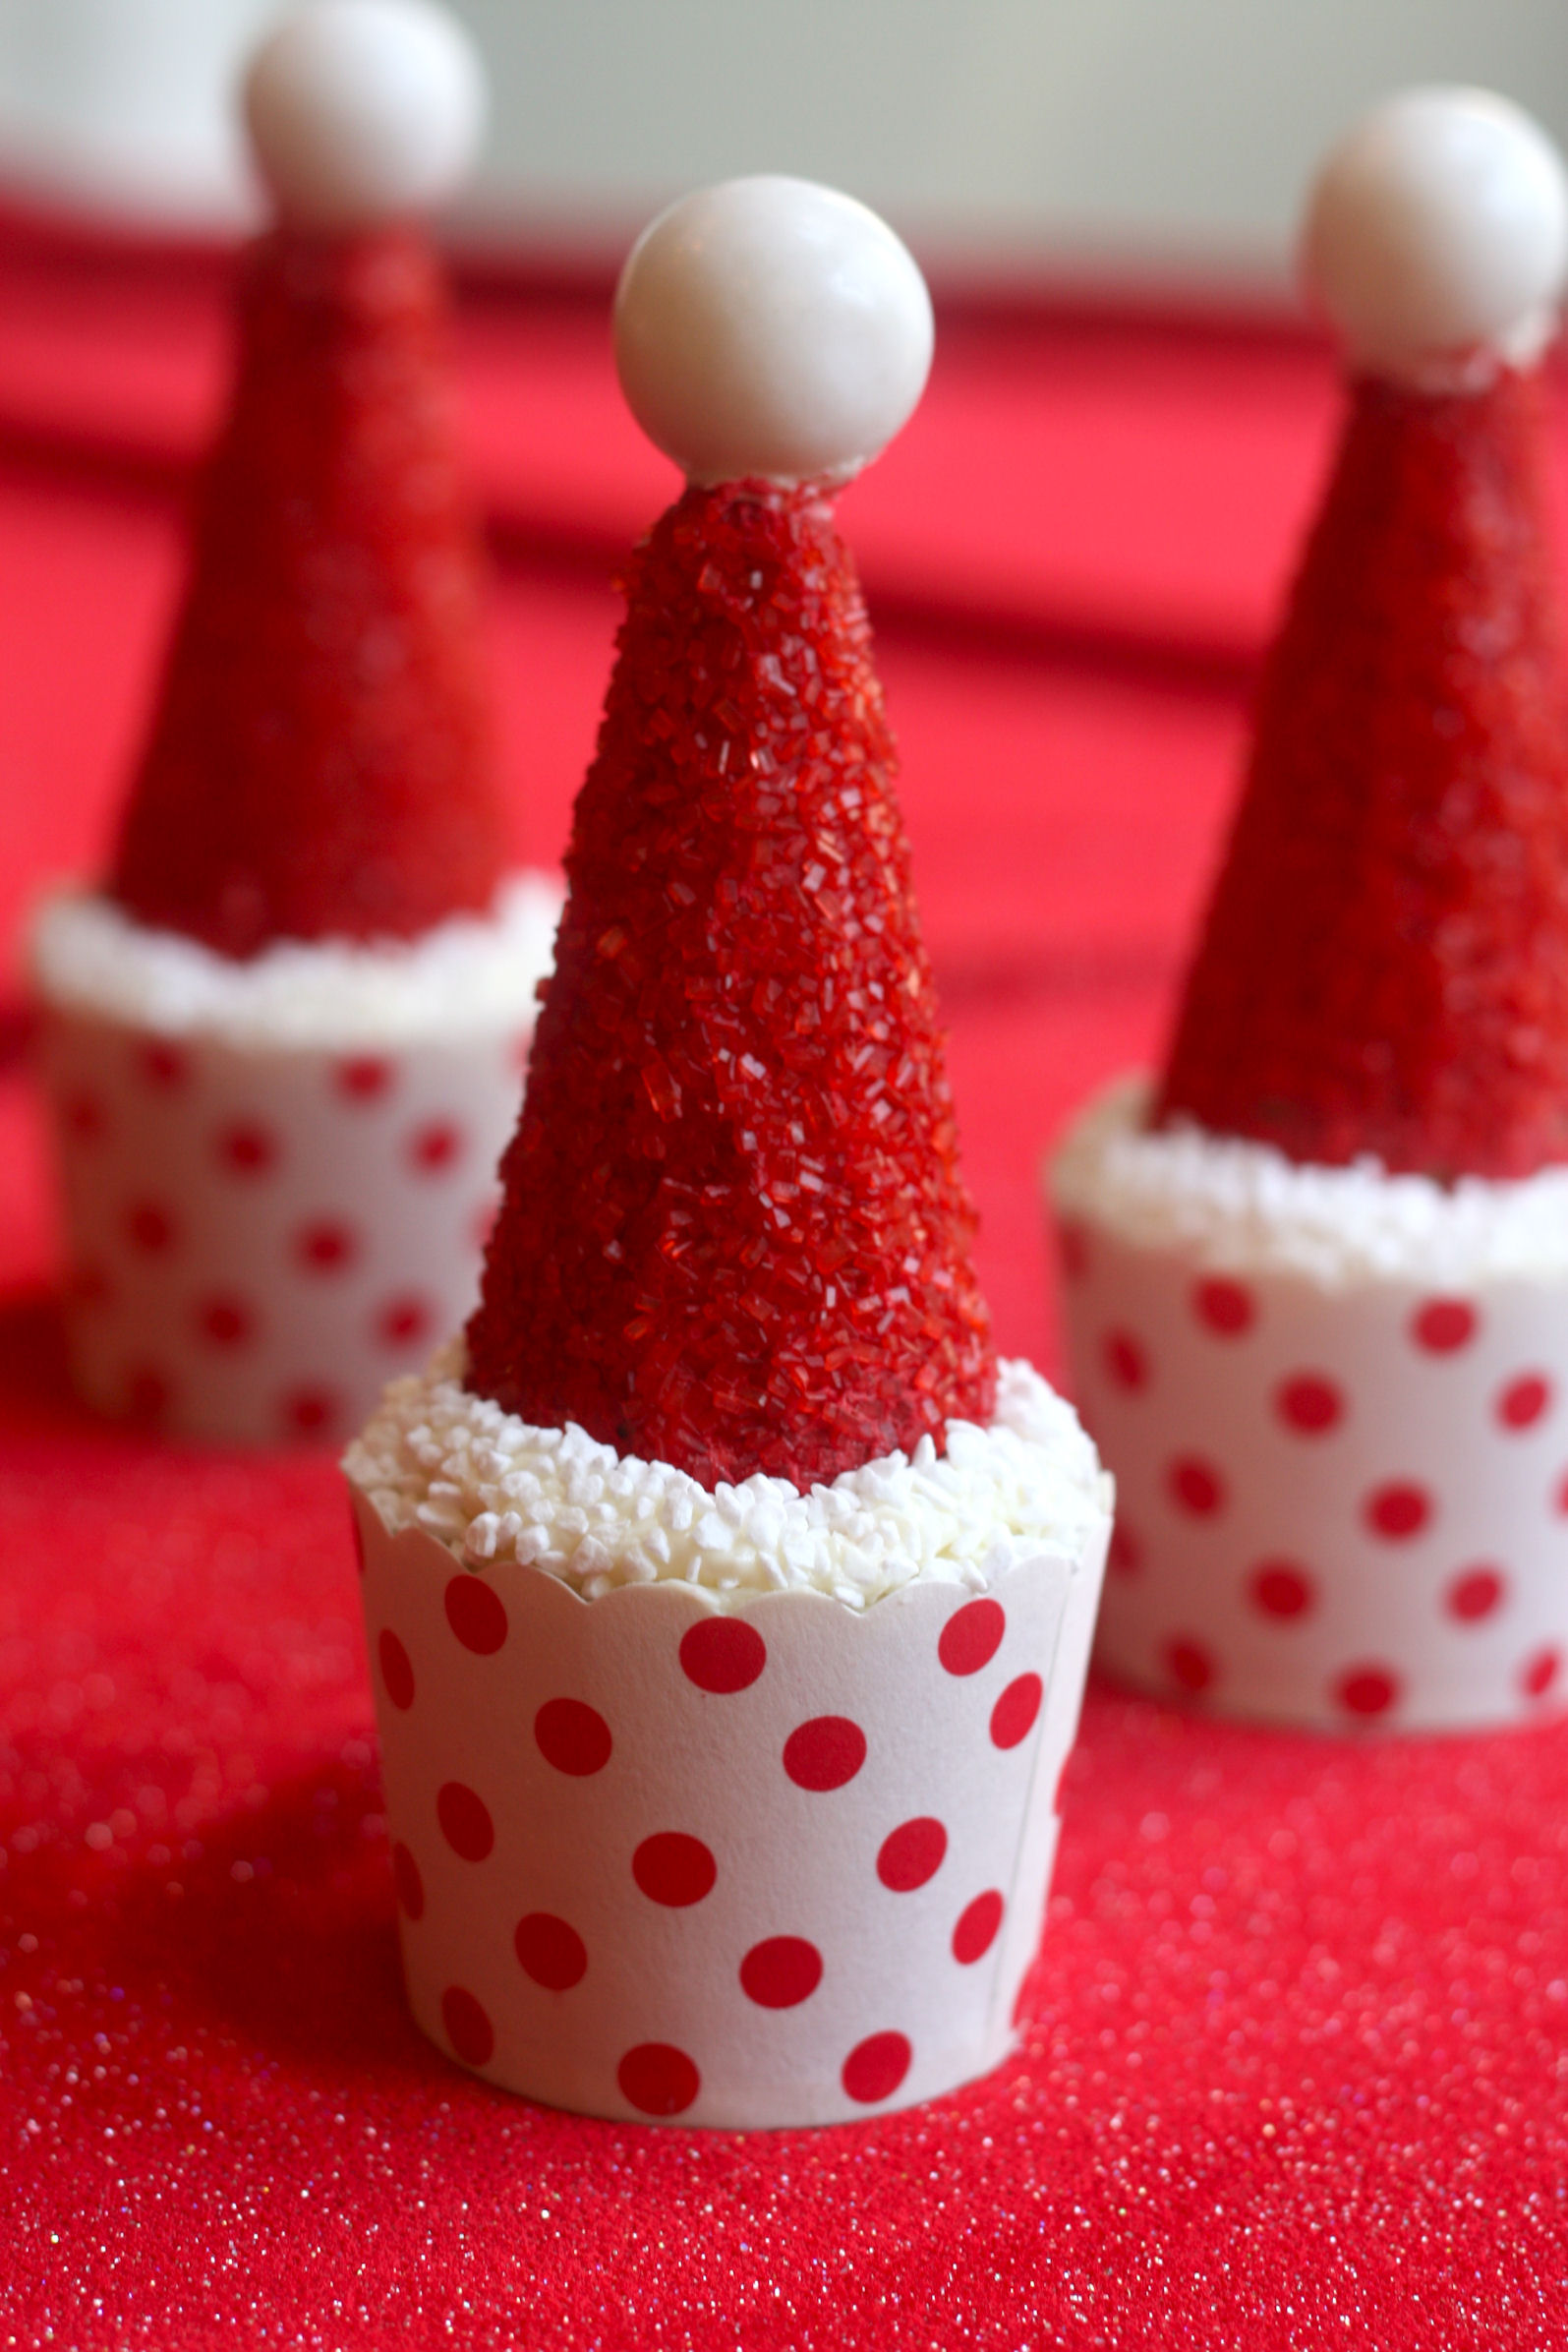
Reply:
x=734, y=1236
x=1385, y=965
x=320, y=764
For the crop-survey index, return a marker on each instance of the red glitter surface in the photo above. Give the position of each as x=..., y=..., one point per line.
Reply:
x=1385, y=965
x=1293, y=2063
x=733, y=1235
x=1291, y=2075
x=320, y=760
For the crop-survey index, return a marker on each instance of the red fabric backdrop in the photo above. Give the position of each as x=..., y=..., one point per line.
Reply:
x=1292, y=2071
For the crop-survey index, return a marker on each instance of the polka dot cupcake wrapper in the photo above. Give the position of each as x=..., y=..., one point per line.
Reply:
x=259, y=1240
x=1342, y=1508
x=778, y=1866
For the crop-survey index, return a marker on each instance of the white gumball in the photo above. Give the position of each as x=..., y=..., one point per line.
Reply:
x=770, y=328
x=1437, y=236
x=362, y=111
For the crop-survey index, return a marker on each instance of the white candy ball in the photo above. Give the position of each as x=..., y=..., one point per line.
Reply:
x=771, y=327
x=1437, y=228
x=363, y=111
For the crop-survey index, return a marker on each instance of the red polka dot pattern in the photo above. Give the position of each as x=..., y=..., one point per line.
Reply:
x=1013, y=1716
x=1540, y=1674
x=573, y=1737
x=89, y=1286
x=408, y=1882
x=973, y=1636
x=1475, y=1594
x=252, y=1182
x=163, y=1066
x=675, y=1870
x=1442, y=1326
x=397, y=1674
x=1314, y=1489
x=626, y=1896
x=780, y=1973
x=1126, y=1361
x=1398, y=1510
x=226, y=1322
x=468, y=2028
x=1195, y=1486
x=825, y=1753
x=1524, y=1402
x=435, y=1148
x=148, y=1393
x=84, y=1115
x=1224, y=1307
x=311, y=1413
x=1368, y=1691
x=404, y=1321
x=151, y=1227
x=658, y=2080
x=551, y=1951
x=326, y=1246
x=1281, y=1589
x=723, y=1655
x=465, y=1820
x=363, y=1078
x=1124, y=1555
x=976, y=1930
x=1309, y=1404
x=247, y=1149
x=913, y=1853
x=1190, y=1665
x=876, y=2067
x=476, y=1614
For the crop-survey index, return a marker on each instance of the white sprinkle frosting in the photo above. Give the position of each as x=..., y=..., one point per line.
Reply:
x=492, y=1486
x=1244, y=1208
x=471, y=975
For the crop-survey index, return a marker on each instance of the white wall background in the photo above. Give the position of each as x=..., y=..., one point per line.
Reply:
x=1154, y=127
x=1154, y=130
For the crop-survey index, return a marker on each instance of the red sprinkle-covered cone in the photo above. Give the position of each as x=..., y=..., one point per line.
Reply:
x=734, y=1237
x=320, y=763
x=1384, y=966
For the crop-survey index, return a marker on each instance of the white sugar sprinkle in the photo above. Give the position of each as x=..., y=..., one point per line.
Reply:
x=1244, y=1208
x=469, y=975
x=437, y=1457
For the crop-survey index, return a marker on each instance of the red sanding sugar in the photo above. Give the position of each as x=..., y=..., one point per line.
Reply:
x=734, y=1236
x=319, y=764
x=1384, y=968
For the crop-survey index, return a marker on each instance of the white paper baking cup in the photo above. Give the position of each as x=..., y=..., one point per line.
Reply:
x=1335, y=1404
x=263, y=1228
x=775, y=1862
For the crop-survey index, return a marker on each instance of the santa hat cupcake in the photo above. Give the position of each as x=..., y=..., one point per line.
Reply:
x=728, y=1607
x=1317, y=1281
x=283, y=1039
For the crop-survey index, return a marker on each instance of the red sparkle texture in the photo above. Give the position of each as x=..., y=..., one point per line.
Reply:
x=734, y=1236
x=320, y=763
x=1385, y=965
